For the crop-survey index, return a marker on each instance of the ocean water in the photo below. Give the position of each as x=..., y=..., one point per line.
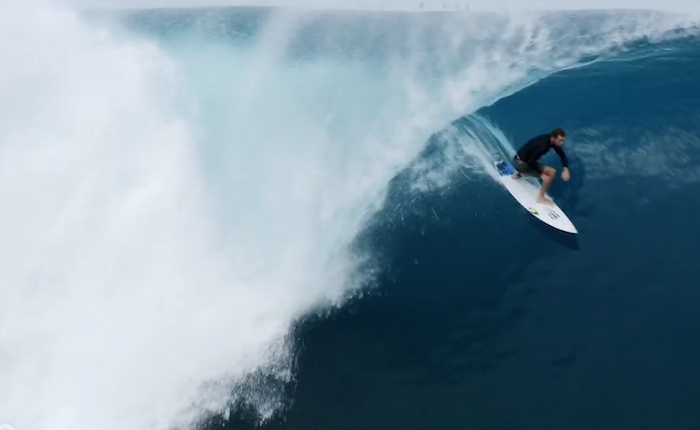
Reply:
x=286, y=219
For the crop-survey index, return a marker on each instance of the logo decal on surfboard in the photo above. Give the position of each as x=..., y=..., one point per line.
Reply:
x=533, y=211
x=553, y=214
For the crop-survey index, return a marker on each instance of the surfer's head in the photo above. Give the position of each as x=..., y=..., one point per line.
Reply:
x=558, y=137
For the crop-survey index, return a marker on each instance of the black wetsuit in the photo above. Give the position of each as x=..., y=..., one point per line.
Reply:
x=535, y=148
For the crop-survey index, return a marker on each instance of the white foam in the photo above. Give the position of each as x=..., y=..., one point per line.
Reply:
x=604, y=159
x=686, y=7
x=117, y=304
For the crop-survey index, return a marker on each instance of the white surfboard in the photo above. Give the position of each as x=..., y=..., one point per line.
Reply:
x=525, y=191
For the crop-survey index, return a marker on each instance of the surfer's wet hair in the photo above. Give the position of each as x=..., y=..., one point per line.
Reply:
x=558, y=132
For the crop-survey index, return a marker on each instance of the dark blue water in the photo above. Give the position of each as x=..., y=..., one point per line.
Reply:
x=481, y=317
x=485, y=319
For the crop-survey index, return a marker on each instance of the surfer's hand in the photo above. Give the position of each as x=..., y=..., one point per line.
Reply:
x=565, y=174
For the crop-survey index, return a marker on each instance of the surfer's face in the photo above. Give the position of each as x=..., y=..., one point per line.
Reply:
x=559, y=140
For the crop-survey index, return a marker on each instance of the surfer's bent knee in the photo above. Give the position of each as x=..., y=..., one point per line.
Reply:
x=548, y=173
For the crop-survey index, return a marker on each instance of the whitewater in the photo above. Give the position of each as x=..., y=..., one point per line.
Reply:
x=180, y=187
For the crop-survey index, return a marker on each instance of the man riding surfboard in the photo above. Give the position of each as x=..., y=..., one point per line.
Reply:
x=526, y=160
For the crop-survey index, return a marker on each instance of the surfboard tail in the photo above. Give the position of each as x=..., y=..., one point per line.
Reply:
x=504, y=169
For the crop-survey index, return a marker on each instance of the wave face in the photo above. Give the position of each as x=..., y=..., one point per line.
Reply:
x=181, y=188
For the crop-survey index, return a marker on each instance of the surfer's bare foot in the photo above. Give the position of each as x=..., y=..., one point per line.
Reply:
x=545, y=200
x=516, y=175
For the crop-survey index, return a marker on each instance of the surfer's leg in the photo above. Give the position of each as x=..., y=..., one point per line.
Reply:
x=547, y=175
x=521, y=169
x=517, y=174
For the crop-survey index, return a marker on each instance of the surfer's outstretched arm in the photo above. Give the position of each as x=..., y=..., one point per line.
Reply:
x=565, y=175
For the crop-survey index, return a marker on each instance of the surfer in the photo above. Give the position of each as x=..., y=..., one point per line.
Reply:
x=525, y=160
